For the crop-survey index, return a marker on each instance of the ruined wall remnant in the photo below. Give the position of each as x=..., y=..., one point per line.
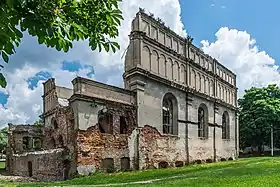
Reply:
x=43, y=165
x=31, y=148
x=63, y=135
x=24, y=138
x=108, y=139
x=160, y=151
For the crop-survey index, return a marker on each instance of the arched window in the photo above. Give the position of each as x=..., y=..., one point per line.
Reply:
x=170, y=114
x=225, y=126
x=54, y=123
x=202, y=121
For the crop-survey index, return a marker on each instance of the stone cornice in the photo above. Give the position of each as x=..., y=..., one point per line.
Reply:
x=101, y=85
x=196, y=123
x=48, y=113
x=96, y=100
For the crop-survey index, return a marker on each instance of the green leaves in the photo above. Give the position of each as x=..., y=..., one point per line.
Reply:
x=58, y=23
x=3, y=82
x=259, y=109
x=5, y=56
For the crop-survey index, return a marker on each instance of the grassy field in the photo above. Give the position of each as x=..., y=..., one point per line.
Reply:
x=259, y=172
x=2, y=165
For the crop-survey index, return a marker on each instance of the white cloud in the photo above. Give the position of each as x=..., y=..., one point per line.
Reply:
x=238, y=51
x=235, y=49
x=24, y=105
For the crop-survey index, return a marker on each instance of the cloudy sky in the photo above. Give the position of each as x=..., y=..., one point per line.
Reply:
x=243, y=40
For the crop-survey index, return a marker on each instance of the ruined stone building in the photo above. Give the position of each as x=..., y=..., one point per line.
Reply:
x=178, y=106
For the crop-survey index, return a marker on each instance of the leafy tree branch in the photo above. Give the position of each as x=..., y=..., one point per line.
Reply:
x=57, y=23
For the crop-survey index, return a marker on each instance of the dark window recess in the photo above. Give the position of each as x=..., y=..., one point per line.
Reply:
x=105, y=122
x=26, y=143
x=37, y=143
x=123, y=125
x=60, y=140
x=125, y=163
x=66, y=168
x=30, y=170
x=179, y=164
x=201, y=122
x=54, y=123
x=163, y=164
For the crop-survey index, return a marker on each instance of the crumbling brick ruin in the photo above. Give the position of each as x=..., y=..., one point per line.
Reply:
x=178, y=107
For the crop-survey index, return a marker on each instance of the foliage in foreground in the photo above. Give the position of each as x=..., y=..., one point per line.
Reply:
x=3, y=139
x=259, y=110
x=244, y=172
x=57, y=23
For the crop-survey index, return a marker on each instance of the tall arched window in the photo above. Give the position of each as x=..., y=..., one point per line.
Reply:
x=169, y=114
x=202, y=121
x=225, y=126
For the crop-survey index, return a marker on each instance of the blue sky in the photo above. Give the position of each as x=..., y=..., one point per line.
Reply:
x=220, y=22
x=66, y=65
x=203, y=18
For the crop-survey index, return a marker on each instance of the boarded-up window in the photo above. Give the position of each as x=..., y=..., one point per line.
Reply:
x=125, y=163
x=179, y=164
x=108, y=164
x=163, y=164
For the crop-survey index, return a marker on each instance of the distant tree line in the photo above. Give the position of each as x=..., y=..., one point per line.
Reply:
x=259, y=110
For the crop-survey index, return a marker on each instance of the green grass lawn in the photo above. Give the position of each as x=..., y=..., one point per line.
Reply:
x=263, y=171
x=2, y=165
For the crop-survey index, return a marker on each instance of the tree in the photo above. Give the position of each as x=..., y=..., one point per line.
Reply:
x=57, y=23
x=259, y=110
x=3, y=139
x=39, y=122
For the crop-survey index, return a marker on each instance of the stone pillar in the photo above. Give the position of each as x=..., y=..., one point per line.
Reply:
x=139, y=87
